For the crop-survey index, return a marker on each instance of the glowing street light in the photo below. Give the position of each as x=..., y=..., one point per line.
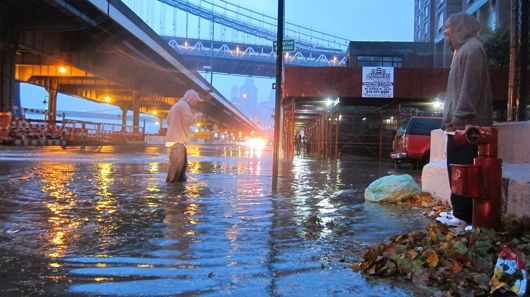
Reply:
x=437, y=104
x=62, y=69
x=332, y=103
x=107, y=99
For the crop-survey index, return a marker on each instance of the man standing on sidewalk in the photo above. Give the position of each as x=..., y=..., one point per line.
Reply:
x=468, y=101
x=179, y=119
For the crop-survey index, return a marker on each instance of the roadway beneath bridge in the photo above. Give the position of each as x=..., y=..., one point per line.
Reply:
x=103, y=52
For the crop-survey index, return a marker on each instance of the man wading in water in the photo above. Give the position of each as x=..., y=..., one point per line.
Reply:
x=179, y=119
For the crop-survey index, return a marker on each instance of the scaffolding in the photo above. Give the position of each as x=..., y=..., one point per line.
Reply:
x=356, y=131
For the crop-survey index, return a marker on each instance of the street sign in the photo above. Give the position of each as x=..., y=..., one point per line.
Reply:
x=288, y=45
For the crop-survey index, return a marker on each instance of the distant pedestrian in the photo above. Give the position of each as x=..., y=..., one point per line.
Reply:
x=307, y=143
x=298, y=143
x=179, y=119
x=468, y=102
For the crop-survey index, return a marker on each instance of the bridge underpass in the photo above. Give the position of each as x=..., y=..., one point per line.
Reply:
x=100, y=51
x=327, y=104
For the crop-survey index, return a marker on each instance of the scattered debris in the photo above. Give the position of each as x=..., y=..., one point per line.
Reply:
x=442, y=259
x=509, y=276
x=424, y=203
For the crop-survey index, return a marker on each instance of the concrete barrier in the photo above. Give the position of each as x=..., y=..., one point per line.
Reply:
x=154, y=139
x=514, y=150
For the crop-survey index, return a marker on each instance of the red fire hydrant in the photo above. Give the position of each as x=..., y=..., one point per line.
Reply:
x=482, y=180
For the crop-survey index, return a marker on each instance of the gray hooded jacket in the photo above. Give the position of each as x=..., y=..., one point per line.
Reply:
x=468, y=98
x=180, y=118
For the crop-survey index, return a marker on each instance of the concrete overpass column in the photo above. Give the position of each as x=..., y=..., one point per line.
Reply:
x=52, y=103
x=123, y=119
x=8, y=50
x=136, y=112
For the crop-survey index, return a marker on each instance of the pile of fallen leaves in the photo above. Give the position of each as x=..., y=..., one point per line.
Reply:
x=458, y=264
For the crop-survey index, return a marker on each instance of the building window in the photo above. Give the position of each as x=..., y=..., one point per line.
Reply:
x=426, y=28
x=426, y=10
x=382, y=61
x=492, y=20
x=440, y=20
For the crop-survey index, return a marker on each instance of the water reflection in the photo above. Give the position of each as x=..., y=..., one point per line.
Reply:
x=152, y=197
x=55, y=179
x=193, y=150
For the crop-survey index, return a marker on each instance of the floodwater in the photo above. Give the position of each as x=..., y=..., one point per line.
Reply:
x=103, y=222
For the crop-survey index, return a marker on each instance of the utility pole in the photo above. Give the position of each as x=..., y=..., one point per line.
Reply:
x=523, y=51
x=278, y=101
x=518, y=74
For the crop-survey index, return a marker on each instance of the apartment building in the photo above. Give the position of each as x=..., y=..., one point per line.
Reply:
x=430, y=17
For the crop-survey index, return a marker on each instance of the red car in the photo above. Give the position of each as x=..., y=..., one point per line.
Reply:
x=412, y=142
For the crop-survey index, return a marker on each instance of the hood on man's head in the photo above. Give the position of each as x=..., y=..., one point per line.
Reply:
x=463, y=26
x=191, y=97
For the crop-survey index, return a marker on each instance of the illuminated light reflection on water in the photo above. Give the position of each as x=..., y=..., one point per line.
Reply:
x=103, y=221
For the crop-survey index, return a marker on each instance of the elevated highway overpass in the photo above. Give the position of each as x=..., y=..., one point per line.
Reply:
x=101, y=51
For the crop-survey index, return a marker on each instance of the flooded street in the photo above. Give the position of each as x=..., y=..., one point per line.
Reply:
x=80, y=222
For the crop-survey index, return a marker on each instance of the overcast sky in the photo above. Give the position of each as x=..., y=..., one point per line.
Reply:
x=363, y=20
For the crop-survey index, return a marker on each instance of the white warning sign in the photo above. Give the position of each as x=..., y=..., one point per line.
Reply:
x=378, y=82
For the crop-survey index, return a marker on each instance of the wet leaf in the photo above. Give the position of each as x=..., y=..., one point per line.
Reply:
x=411, y=253
x=460, y=248
x=432, y=258
x=456, y=267
x=417, y=267
x=398, y=238
x=357, y=266
x=433, y=234
x=370, y=255
x=371, y=270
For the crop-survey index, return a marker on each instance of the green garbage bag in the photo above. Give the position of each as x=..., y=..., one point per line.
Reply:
x=391, y=188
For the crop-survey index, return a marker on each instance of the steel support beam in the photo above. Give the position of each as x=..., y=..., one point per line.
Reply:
x=52, y=102
x=136, y=112
x=8, y=50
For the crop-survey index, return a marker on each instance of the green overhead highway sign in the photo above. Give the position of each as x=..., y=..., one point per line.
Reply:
x=288, y=45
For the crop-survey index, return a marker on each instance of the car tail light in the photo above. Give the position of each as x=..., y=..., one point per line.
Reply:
x=404, y=141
